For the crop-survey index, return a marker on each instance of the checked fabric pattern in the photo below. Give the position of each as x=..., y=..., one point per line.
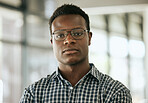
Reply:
x=94, y=87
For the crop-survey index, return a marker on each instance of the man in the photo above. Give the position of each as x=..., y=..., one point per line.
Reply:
x=75, y=81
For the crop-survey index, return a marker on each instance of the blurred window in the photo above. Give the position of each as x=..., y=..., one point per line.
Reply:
x=37, y=31
x=25, y=50
x=119, y=69
x=11, y=71
x=15, y=3
x=119, y=50
x=98, y=49
x=97, y=22
x=43, y=8
x=11, y=23
x=136, y=49
x=137, y=79
x=116, y=23
x=118, y=46
x=10, y=54
x=40, y=63
x=135, y=23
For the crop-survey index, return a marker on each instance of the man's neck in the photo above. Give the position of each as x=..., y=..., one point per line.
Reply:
x=73, y=73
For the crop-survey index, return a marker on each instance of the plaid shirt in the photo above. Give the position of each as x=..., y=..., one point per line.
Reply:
x=94, y=87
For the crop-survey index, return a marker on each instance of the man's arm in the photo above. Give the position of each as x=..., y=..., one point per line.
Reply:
x=121, y=94
x=27, y=96
x=122, y=97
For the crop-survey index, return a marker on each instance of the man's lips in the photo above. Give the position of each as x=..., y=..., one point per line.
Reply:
x=70, y=51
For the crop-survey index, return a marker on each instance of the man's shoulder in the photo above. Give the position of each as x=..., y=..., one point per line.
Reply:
x=36, y=89
x=108, y=83
x=114, y=89
x=43, y=82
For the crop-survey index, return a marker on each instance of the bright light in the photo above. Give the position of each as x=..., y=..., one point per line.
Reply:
x=98, y=42
x=118, y=46
x=1, y=91
x=136, y=48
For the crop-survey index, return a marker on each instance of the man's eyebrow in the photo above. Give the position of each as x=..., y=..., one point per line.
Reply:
x=69, y=29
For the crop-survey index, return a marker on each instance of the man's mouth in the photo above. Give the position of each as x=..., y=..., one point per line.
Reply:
x=70, y=51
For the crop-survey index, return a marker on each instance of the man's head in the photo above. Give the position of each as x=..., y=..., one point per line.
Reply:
x=70, y=35
x=67, y=9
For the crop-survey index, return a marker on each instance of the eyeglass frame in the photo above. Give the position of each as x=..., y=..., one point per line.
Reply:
x=70, y=31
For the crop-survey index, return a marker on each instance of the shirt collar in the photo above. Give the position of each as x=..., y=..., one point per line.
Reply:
x=58, y=74
x=93, y=71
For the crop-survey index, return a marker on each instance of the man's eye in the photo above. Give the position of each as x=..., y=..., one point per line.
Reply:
x=60, y=35
x=78, y=34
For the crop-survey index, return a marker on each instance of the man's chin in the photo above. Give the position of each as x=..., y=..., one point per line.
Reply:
x=72, y=63
x=71, y=60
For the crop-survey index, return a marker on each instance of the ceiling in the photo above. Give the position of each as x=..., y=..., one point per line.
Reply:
x=93, y=7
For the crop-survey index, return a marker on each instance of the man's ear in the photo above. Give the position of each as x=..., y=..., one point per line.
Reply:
x=51, y=41
x=90, y=36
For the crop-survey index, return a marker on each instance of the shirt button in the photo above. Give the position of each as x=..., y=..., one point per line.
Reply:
x=71, y=88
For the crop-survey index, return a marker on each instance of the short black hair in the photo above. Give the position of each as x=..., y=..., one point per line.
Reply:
x=67, y=9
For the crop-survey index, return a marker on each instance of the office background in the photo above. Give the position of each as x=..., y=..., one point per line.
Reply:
x=118, y=48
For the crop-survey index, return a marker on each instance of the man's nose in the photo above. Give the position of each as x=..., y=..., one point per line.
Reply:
x=69, y=39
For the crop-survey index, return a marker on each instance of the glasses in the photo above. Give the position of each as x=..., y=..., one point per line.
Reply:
x=77, y=34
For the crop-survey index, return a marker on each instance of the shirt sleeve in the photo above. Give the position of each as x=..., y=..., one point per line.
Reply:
x=122, y=95
x=27, y=96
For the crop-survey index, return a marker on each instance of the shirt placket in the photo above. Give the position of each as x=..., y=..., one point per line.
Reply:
x=70, y=91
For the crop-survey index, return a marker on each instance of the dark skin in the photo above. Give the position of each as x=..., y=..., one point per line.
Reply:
x=72, y=55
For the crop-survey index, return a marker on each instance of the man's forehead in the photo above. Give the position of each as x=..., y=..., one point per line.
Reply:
x=68, y=21
x=68, y=17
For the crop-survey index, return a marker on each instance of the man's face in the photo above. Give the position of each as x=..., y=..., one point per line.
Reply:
x=70, y=51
